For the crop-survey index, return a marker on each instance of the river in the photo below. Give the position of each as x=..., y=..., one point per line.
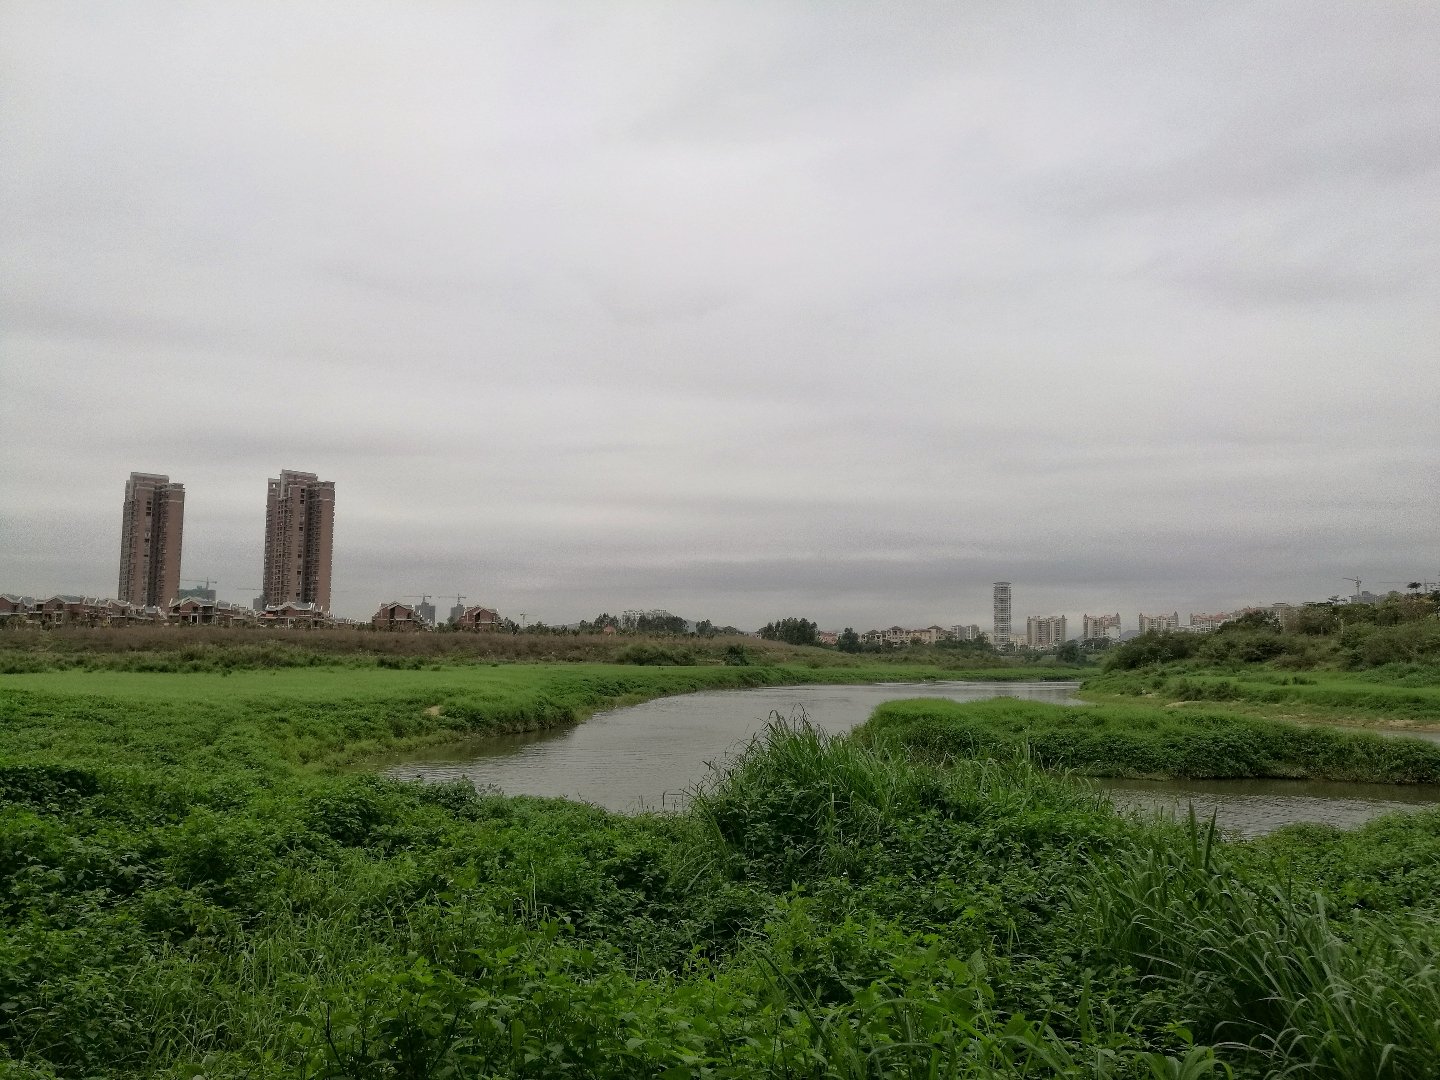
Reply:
x=646, y=756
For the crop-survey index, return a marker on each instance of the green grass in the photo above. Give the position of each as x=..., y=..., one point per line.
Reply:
x=188, y=887
x=1144, y=741
x=1354, y=697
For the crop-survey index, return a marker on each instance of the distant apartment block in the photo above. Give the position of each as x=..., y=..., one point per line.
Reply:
x=1100, y=626
x=1203, y=623
x=1045, y=631
x=299, y=540
x=966, y=632
x=1160, y=623
x=151, y=525
x=1002, y=613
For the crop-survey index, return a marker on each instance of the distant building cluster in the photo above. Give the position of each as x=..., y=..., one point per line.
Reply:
x=397, y=615
x=299, y=544
x=1100, y=627
x=1044, y=631
x=1157, y=623
x=66, y=610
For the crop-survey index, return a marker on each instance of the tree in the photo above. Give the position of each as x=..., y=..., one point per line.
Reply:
x=792, y=631
x=1069, y=652
x=849, y=640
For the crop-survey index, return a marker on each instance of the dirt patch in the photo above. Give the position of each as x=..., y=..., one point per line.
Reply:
x=434, y=710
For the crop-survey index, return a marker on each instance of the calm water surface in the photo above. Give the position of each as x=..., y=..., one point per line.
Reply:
x=646, y=756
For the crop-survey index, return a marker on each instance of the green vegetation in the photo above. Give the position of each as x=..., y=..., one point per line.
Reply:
x=793, y=631
x=1143, y=741
x=203, y=648
x=191, y=884
x=1353, y=664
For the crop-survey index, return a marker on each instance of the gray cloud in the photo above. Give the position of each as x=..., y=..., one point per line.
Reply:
x=736, y=309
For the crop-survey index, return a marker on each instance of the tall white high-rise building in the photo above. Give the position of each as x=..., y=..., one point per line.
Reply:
x=1001, y=637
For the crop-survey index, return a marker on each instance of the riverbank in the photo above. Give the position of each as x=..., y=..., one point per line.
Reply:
x=1146, y=742
x=328, y=717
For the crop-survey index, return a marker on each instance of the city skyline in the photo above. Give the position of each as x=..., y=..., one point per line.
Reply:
x=299, y=534
x=744, y=312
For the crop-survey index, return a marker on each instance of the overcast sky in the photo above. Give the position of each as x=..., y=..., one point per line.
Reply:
x=742, y=310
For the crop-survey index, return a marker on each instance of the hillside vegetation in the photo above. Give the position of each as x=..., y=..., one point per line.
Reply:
x=1356, y=663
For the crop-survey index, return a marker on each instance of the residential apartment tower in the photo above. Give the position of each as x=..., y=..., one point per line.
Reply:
x=1001, y=638
x=1045, y=631
x=151, y=523
x=299, y=539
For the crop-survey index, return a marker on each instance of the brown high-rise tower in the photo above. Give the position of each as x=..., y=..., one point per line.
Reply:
x=151, y=525
x=299, y=539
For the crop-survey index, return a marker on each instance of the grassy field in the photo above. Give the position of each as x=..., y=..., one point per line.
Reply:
x=1146, y=741
x=190, y=886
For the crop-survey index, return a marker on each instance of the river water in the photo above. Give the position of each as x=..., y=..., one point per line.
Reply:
x=646, y=756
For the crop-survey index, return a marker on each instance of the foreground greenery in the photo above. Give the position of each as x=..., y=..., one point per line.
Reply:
x=189, y=885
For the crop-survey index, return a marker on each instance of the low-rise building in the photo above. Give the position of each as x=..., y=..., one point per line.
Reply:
x=308, y=615
x=965, y=632
x=396, y=615
x=198, y=611
x=479, y=617
x=13, y=606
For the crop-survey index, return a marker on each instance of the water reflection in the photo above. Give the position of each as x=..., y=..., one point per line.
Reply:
x=1256, y=807
x=645, y=755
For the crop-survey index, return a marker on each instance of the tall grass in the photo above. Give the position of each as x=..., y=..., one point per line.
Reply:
x=1262, y=967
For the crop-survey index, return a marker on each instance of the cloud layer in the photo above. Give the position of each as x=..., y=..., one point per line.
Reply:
x=740, y=310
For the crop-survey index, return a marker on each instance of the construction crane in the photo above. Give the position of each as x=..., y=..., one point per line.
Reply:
x=197, y=581
x=1356, y=580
